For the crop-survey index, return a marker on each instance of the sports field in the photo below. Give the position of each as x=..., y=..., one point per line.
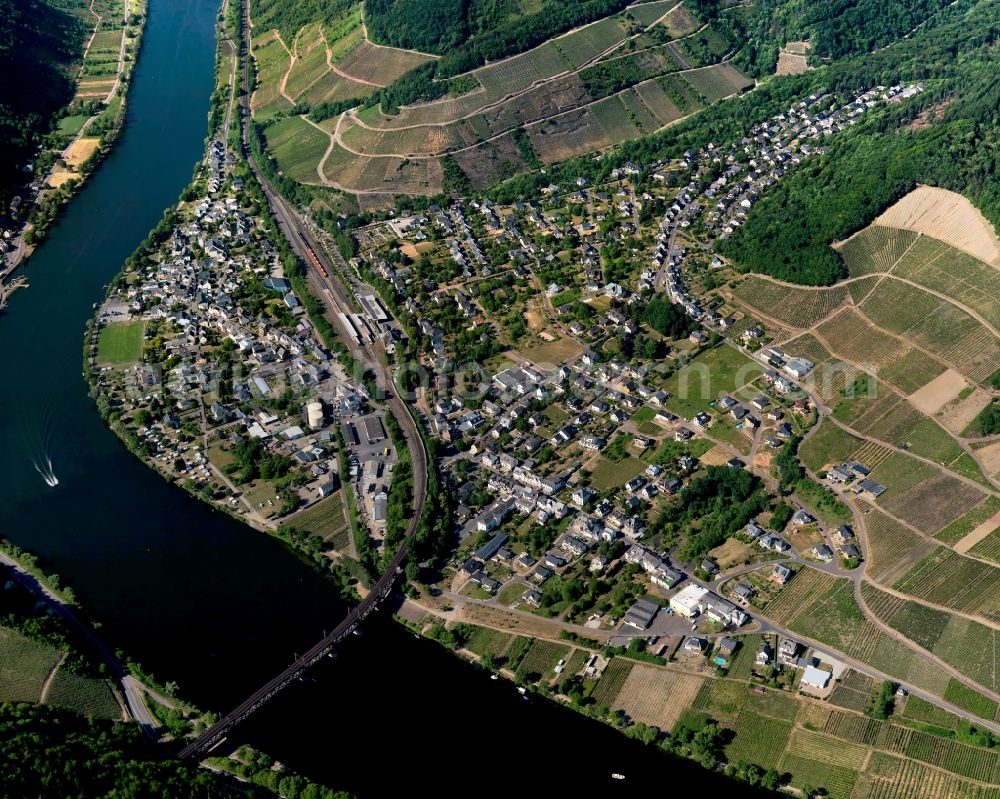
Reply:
x=120, y=343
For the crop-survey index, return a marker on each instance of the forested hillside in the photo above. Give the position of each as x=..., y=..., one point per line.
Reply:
x=56, y=753
x=835, y=28
x=470, y=32
x=288, y=16
x=38, y=43
x=949, y=138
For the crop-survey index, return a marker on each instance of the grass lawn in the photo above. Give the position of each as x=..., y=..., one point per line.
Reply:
x=552, y=353
x=609, y=474
x=120, y=343
x=724, y=430
x=71, y=125
x=718, y=371
x=259, y=492
x=829, y=444
x=511, y=593
x=644, y=414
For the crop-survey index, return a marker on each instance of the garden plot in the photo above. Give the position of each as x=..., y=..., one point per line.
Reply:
x=541, y=659
x=657, y=696
x=612, y=680
x=892, y=547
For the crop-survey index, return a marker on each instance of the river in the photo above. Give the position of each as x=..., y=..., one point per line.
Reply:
x=201, y=599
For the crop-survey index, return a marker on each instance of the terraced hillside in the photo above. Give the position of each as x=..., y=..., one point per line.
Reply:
x=618, y=78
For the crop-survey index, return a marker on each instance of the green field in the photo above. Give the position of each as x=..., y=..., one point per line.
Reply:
x=298, y=148
x=875, y=249
x=968, y=699
x=86, y=695
x=828, y=444
x=326, y=519
x=759, y=740
x=541, y=660
x=120, y=343
x=716, y=82
x=24, y=666
x=611, y=474
x=837, y=780
x=71, y=125
x=611, y=681
x=721, y=370
x=728, y=698
x=487, y=641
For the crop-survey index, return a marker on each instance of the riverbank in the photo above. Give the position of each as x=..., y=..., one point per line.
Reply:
x=84, y=133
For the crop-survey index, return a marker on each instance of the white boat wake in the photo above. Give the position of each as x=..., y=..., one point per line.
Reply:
x=47, y=474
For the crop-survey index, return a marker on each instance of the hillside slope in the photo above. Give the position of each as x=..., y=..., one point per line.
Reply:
x=43, y=42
